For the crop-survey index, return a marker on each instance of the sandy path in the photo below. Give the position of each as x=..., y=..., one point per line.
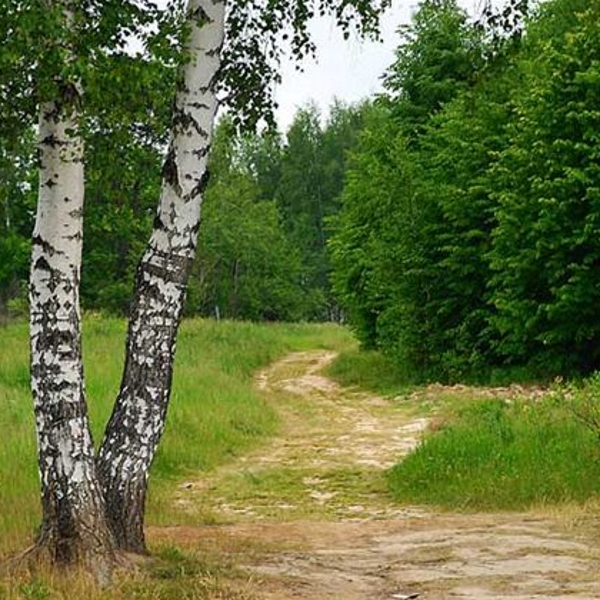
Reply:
x=309, y=518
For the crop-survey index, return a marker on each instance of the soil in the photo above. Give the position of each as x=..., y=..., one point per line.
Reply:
x=308, y=518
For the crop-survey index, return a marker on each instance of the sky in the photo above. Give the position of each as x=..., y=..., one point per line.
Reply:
x=347, y=70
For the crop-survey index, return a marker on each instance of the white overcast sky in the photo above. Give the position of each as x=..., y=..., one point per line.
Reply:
x=349, y=70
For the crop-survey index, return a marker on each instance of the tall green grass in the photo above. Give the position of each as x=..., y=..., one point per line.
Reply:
x=369, y=370
x=215, y=412
x=495, y=455
x=19, y=496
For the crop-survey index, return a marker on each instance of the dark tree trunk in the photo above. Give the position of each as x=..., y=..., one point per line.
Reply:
x=138, y=419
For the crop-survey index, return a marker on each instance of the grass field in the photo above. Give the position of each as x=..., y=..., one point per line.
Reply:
x=215, y=413
x=482, y=454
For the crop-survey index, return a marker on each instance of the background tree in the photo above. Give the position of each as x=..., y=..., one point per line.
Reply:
x=439, y=55
x=387, y=264
x=457, y=149
x=246, y=266
x=123, y=162
x=312, y=170
x=17, y=202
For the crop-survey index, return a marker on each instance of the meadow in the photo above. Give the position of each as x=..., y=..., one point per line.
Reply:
x=215, y=413
x=480, y=453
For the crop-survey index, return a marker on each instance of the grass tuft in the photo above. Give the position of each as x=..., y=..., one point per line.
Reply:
x=369, y=370
x=172, y=574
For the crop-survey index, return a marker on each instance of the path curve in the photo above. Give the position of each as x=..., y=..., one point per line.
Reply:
x=311, y=520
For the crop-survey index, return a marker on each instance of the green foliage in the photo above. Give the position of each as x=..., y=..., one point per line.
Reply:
x=368, y=199
x=386, y=251
x=123, y=166
x=457, y=150
x=311, y=180
x=246, y=266
x=493, y=455
x=440, y=54
x=262, y=253
x=467, y=242
x=545, y=246
x=17, y=202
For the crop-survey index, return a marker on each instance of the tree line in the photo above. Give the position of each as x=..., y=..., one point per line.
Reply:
x=468, y=237
x=262, y=252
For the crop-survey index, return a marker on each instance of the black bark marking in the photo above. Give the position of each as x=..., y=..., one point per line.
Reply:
x=58, y=414
x=201, y=152
x=169, y=172
x=42, y=264
x=210, y=86
x=69, y=95
x=184, y=121
x=158, y=223
x=199, y=105
x=200, y=188
x=52, y=114
x=46, y=248
x=200, y=16
x=52, y=141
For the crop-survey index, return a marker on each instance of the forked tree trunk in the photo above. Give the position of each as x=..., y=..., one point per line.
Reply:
x=74, y=528
x=138, y=419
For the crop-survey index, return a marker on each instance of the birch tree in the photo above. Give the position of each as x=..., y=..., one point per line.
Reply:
x=94, y=506
x=138, y=419
x=74, y=527
x=243, y=70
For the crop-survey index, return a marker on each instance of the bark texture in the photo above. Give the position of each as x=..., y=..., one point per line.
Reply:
x=138, y=419
x=74, y=528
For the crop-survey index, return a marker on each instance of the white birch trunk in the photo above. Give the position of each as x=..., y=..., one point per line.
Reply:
x=138, y=419
x=74, y=527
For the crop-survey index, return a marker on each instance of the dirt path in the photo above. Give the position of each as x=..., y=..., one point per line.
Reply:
x=308, y=516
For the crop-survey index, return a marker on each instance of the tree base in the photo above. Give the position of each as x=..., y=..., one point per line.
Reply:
x=99, y=569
